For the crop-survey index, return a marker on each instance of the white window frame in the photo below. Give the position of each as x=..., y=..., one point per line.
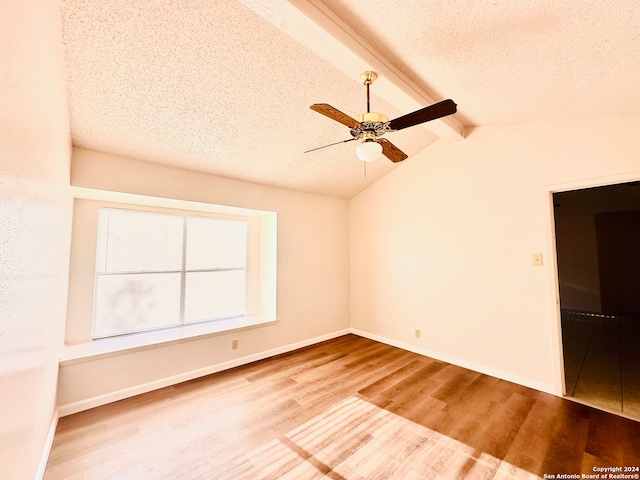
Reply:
x=102, y=271
x=261, y=273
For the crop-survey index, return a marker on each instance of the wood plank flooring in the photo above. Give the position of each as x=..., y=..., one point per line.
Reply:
x=345, y=409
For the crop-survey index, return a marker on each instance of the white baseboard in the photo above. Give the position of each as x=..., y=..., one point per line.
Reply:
x=71, y=408
x=476, y=367
x=46, y=450
x=110, y=397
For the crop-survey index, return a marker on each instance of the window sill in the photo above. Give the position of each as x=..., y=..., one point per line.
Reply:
x=107, y=347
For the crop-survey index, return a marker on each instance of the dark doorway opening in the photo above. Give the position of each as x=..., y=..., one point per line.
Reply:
x=598, y=250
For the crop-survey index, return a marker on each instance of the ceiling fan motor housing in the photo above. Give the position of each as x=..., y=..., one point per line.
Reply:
x=371, y=117
x=371, y=122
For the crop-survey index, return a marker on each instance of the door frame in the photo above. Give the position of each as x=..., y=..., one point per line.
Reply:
x=552, y=267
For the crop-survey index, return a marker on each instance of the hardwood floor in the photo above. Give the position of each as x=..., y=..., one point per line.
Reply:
x=349, y=408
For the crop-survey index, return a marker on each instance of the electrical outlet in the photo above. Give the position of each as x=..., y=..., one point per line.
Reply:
x=417, y=334
x=234, y=344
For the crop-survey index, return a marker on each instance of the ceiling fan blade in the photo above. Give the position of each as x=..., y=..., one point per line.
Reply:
x=390, y=151
x=335, y=114
x=331, y=144
x=437, y=110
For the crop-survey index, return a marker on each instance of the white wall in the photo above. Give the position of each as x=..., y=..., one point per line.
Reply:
x=444, y=243
x=312, y=283
x=35, y=228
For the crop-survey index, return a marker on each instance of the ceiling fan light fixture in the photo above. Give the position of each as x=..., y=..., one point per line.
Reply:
x=369, y=150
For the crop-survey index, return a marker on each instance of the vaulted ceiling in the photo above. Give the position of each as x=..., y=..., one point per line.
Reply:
x=224, y=86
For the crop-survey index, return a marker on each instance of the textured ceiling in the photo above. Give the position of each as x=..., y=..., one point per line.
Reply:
x=224, y=87
x=512, y=61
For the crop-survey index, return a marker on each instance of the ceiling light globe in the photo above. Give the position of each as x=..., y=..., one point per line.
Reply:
x=369, y=150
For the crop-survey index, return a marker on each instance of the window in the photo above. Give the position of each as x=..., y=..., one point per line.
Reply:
x=101, y=268
x=157, y=270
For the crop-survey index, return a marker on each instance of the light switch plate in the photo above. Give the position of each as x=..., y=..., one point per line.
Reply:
x=537, y=259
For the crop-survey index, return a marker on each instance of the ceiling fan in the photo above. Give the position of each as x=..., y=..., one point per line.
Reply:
x=371, y=126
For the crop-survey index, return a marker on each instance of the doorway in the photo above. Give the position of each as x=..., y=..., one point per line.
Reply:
x=598, y=259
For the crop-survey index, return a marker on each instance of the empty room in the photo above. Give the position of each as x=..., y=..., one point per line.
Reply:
x=317, y=239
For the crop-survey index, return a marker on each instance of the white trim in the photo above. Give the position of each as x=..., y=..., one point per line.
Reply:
x=86, y=404
x=555, y=326
x=476, y=367
x=97, y=194
x=594, y=182
x=46, y=450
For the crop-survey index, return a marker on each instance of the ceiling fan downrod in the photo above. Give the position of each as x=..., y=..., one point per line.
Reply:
x=367, y=78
